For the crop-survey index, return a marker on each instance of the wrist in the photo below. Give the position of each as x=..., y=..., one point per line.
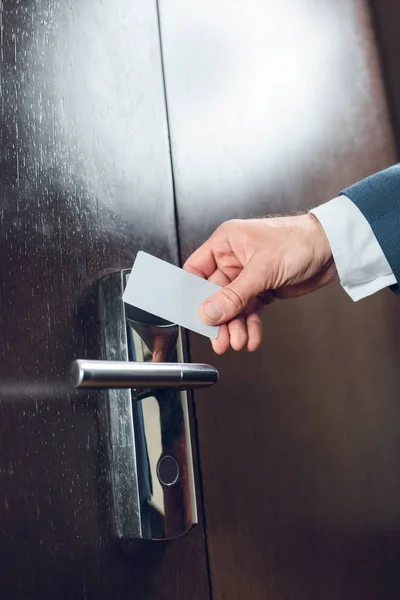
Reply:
x=319, y=243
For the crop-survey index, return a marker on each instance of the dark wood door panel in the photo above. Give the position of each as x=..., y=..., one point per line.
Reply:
x=276, y=107
x=386, y=17
x=85, y=182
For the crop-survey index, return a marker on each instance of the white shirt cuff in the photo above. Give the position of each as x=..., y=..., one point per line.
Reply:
x=360, y=262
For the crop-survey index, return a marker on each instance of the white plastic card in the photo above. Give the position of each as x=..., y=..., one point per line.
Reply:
x=169, y=292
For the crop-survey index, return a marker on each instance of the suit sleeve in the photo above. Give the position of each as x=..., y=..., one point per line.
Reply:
x=378, y=199
x=360, y=262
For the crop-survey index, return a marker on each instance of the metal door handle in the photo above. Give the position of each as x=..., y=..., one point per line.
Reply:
x=107, y=374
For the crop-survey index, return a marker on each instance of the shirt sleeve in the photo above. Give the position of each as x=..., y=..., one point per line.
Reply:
x=360, y=262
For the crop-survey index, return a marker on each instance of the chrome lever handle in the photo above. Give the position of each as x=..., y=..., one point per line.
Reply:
x=107, y=374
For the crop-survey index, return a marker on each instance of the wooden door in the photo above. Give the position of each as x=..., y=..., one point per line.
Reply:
x=85, y=180
x=275, y=107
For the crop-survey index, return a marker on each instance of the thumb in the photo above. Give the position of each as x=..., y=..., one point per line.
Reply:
x=233, y=298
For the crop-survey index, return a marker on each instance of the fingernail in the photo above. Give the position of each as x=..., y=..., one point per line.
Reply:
x=212, y=311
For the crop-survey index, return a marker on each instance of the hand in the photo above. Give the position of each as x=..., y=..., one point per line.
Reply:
x=257, y=261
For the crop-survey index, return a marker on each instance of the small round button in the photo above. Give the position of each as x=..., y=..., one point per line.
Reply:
x=167, y=470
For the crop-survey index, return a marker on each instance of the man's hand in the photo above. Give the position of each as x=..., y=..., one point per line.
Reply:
x=256, y=261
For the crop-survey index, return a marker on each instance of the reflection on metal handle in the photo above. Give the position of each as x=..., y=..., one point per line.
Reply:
x=120, y=374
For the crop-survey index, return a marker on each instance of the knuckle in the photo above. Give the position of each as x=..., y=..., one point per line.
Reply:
x=230, y=224
x=234, y=298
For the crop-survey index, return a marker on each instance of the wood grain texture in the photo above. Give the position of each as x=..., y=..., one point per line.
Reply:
x=276, y=107
x=85, y=182
x=386, y=17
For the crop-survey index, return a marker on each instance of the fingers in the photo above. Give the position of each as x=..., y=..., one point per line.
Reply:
x=254, y=331
x=243, y=332
x=202, y=261
x=226, y=308
x=238, y=333
x=233, y=298
x=219, y=278
x=222, y=343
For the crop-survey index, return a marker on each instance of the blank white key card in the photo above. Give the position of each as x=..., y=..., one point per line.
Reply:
x=169, y=292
